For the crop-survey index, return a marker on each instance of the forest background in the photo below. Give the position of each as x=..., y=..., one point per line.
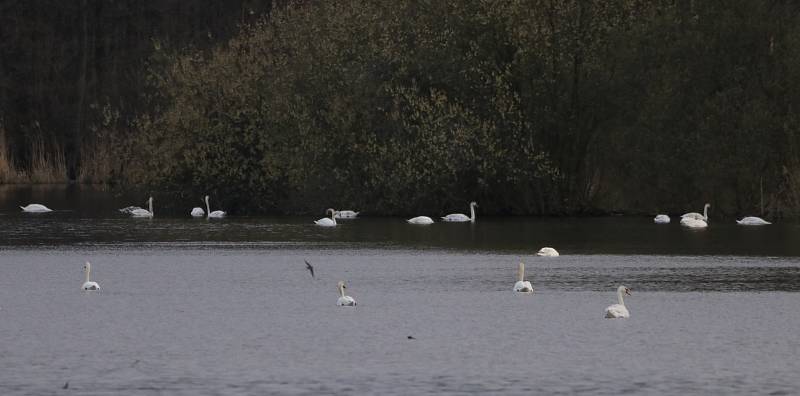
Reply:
x=539, y=107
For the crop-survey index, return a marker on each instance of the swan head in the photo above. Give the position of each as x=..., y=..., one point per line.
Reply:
x=706, y=206
x=330, y=210
x=87, y=267
x=624, y=290
x=341, y=285
x=473, y=203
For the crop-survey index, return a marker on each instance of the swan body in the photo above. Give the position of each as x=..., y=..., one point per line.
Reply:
x=327, y=221
x=460, y=218
x=344, y=301
x=139, y=212
x=129, y=209
x=88, y=284
x=698, y=216
x=661, y=219
x=619, y=310
x=522, y=286
x=198, y=212
x=752, y=220
x=547, y=252
x=36, y=208
x=693, y=223
x=345, y=214
x=217, y=214
x=420, y=220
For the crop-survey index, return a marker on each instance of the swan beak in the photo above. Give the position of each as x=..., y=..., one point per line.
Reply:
x=628, y=291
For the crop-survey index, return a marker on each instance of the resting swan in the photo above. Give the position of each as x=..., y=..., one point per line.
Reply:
x=89, y=285
x=698, y=216
x=325, y=221
x=345, y=214
x=36, y=208
x=144, y=212
x=198, y=212
x=618, y=310
x=344, y=301
x=217, y=214
x=547, y=252
x=693, y=223
x=752, y=220
x=459, y=217
x=420, y=220
x=522, y=286
x=661, y=219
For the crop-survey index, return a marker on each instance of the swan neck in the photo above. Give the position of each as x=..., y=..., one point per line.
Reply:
x=208, y=208
x=88, y=270
x=619, y=298
x=472, y=212
x=521, y=272
x=705, y=212
x=341, y=291
x=150, y=204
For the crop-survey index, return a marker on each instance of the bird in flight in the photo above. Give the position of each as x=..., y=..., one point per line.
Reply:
x=310, y=268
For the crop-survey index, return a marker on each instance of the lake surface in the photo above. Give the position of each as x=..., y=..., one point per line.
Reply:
x=197, y=307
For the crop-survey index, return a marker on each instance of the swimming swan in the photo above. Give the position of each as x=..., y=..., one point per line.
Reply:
x=198, y=212
x=36, y=208
x=458, y=217
x=522, y=286
x=693, y=223
x=325, y=221
x=547, y=252
x=752, y=220
x=215, y=214
x=698, y=216
x=661, y=219
x=345, y=214
x=420, y=220
x=144, y=212
x=344, y=301
x=89, y=285
x=618, y=310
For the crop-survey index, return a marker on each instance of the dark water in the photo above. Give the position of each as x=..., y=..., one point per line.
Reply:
x=198, y=307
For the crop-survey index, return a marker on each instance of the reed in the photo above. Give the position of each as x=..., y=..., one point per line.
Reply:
x=46, y=166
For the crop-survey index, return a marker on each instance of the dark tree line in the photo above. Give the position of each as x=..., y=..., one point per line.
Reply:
x=528, y=106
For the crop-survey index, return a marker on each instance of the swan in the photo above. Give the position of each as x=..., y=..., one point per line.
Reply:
x=144, y=212
x=693, y=223
x=752, y=220
x=458, y=217
x=89, y=285
x=36, y=208
x=215, y=214
x=547, y=252
x=325, y=221
x=198, y=212
x=420, y=220
x=345, y=214
x=698, y=216
x=344, y=301
x=661, y=219
x=522, y=286
x=618, y=310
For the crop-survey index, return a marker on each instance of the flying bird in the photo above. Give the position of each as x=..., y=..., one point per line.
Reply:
x=310, y=268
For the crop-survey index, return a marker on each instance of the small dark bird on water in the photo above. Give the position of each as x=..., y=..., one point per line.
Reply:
x=310, y=268
x=66, y=385
x=411, y=338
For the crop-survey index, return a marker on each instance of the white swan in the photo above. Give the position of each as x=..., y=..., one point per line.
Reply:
x=698, y=216
x=36, y=208
x=693, y=223
x=522, y=286
x=345, y=214
x=420, y=220
x=327, y=221
x=344, y=301
x=198, y=212
x=89, y=285
x=618, y=310
x=547, y=252
x=458, y=217
x=752, y=220
x=661, y=219
x=144, y=212
x=215, y=214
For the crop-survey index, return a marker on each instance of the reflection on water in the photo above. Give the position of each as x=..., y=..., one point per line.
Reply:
x=195, y=307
